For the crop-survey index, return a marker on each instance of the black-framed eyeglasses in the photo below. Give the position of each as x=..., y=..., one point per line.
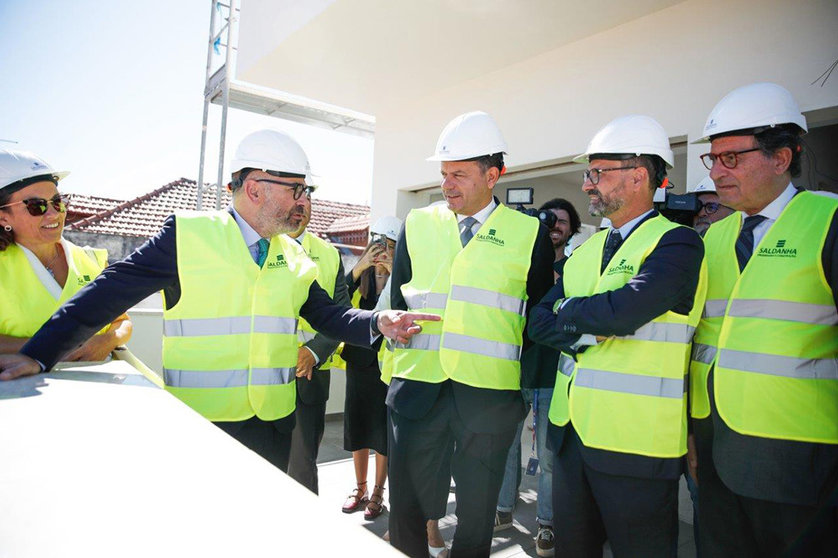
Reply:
x=38, y=206
x=299, y=189
x=729, y=159
x=593, y=175
x=709, y=207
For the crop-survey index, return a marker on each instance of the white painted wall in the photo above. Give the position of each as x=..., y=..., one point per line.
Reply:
x=674, y=65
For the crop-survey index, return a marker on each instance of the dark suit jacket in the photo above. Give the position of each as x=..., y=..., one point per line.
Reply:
x=151, y=268
x=482, y=410
x=316, y=390
x=667, y=280
x=783, y=471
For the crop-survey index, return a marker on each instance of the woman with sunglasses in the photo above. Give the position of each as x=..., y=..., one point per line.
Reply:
x=40, y=270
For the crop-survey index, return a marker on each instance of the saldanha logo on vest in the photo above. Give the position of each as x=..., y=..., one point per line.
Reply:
x=491, y=237
x=84, y=279
x=280, y=262
x=778, y=251
x=621, y=267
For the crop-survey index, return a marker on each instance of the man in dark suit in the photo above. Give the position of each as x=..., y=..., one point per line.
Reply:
x=624, y=308
x=455, y=393
x=764, y=371
x=229, y=354
x=314, y=360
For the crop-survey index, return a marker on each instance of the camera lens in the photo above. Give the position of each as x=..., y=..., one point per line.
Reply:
x=547, y=217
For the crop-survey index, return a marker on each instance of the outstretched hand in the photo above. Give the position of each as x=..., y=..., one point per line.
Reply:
x=401, y=325
x=16, y=365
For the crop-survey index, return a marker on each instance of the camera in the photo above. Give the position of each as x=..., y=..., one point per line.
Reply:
x=678, y=208
x=524, y=196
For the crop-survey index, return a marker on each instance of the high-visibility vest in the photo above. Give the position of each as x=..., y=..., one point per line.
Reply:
x=627, y=394
x=327, y=259
x=230, y=342
x=480, y=291
x=385, y=360
x=25, y=304
x=776, y=358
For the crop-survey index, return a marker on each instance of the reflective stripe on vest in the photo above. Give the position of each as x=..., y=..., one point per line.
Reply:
x=483, y=283
x=703, y=353
x=714, y=308
x=232, y=357
x=627, y=394
x=776, y=368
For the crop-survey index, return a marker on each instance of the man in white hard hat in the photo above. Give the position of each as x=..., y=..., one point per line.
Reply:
x=455, y=393
x=764, y=372
x=711, y=209
x=314, y=358
x=234, y=287
x=624, y=309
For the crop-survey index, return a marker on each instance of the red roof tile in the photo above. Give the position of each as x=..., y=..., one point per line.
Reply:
x=143, y=216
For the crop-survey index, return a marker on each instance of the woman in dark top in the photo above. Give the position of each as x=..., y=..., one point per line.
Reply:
x=365, y=412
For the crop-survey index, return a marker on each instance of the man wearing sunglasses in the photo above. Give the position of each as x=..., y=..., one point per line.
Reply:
x=234, y=287
x=710, y=209
x=623, y=310
x=764, y=370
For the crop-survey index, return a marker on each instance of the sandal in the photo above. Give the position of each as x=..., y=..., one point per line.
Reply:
x=357, y=500
x=375, y=506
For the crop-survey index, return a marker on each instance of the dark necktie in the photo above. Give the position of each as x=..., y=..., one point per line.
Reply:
x=263, y=251
x=745, y=242
x=466, y=233
x=612, y=243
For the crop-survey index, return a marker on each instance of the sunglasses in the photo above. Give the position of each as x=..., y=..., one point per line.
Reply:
x=38, y=206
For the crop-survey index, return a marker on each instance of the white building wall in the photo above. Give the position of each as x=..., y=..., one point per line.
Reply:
x=673, y=65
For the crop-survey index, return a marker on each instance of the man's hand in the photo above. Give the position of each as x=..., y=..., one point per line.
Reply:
x=16, y=365
x=692, y=458
x=95, y=349
x=401, y=325
x=305, y=363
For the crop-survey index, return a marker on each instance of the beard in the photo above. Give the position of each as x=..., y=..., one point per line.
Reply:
x=288, y=222
x=603, y=207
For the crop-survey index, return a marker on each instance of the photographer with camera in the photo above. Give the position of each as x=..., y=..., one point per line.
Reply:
x=562, y=220
x=710, y=208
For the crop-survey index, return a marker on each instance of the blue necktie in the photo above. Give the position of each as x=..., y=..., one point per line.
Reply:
x=745, y=241
x=467, y=233
x=612, y=244
x=263, y=251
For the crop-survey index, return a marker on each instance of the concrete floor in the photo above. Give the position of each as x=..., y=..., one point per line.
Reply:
x=337, y=479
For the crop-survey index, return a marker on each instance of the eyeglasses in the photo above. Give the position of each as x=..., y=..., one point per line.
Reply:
x=38, y=206
x=729, y=159
x=299, y=189
x=709, y=207
x=593, y=175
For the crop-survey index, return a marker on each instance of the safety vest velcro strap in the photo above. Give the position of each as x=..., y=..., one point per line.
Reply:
x=630, y=383
x=566, y=365
x=663, y=332
x=714, y=308
x=272, y=376
x=305, y=336
x=817, y=314
x=419, y=301
x=485, y=297
x=703, y=353
x=197, y=327
x=236, y=325
x=204, y=378
x=421, y=342
x=274, y=324
x=477, y=346
x=776, y=365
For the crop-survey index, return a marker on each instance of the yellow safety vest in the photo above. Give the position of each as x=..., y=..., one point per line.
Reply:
x=627, y=394
x=230, y=342
x=25, y=304
x=327, y=259
x=480, y=291
x=772, y=332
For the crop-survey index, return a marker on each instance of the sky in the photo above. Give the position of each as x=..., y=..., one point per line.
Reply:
x=113, y=92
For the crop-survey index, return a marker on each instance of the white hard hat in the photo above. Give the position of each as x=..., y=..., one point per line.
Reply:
x=753, y=106
x=20, y=165
x=271, y=150
x=706, y=185
x=473, y=134
x=634, y=134
x=388, y=225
